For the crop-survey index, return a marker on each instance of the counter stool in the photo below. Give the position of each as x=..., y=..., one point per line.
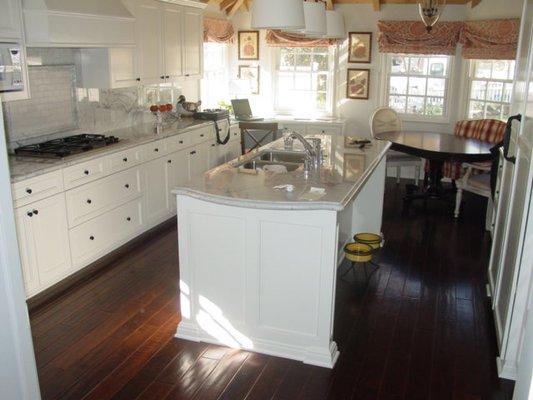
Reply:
x=357, y=253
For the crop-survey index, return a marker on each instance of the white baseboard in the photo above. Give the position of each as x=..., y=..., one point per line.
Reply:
x=506, y=371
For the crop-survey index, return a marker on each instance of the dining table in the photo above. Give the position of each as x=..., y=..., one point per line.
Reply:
x=437, y=148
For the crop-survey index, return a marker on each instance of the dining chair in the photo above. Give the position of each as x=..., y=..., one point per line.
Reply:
x=475, y=180
x=258, y=133
x=385, y=119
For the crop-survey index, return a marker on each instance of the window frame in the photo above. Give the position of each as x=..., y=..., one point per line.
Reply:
x=225, y=69
x=469, y=68
x=446, y=117
x=330, y=84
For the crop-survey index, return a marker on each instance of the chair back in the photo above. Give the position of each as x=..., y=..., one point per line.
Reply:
x=384, y=119
x=487, y=130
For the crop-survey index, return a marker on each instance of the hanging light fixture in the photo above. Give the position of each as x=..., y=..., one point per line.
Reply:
x=314, y=17
x=334, y=25
x=430, y=12
x=278, y=14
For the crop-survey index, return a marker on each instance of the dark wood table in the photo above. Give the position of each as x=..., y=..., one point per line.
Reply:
x=437, y=148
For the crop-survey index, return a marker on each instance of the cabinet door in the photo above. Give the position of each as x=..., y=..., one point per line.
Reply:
x=197, y=160
x=27, y=252
x=156, y=196
x=213, y=154
x=122, y=63
x=193, y=42
x=178, y=174
x=172, y=39
x=51, y=241
x=10, y=20
x=149, y=46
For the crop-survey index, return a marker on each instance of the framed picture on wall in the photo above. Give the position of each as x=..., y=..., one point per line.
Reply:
x=358, y=83
x=250, y=74
x=360, y=47
x=248, y=45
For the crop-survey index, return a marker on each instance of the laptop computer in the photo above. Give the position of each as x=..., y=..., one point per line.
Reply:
x=242, y=110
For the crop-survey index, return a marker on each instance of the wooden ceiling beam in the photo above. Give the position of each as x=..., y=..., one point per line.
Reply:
x=329, y=4
x=474, y=3
x=225, y=4
x=376, y=4
x=235, y=7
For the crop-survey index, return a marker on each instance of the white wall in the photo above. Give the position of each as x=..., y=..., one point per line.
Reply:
x=362, y=17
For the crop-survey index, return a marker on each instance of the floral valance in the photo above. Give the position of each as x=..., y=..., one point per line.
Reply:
x=495, y=39
x=218, y=30
x=283, y=39
x=412, y=37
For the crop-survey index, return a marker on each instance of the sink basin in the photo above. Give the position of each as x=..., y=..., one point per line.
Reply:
x=283, y=156
x=258, y=163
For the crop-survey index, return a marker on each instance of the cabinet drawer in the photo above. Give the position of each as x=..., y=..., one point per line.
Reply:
x=324, y=129
x=93, y=199
x=155, y=149
x=80, y=174
x=124, y=159
x=96, y=237
x=37, y=188
x=235, y=133
x=178, y=142
x=203, y=134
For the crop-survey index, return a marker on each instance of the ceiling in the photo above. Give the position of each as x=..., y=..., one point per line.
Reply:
x=232, y=6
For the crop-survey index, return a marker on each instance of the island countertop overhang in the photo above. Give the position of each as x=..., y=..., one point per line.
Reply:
x=344, y=172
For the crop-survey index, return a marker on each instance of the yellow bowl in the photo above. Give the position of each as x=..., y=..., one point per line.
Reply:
x=371, y=239
x=358, y=252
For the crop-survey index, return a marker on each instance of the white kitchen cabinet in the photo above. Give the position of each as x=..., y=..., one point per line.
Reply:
x=193, y=43
x=44, y=242
x=172, y=40
x=149, y=41
x=108, y=68
x=197, y=160
x=157, y=201
x=177, y=174
x=214, y=151
x=10, y=20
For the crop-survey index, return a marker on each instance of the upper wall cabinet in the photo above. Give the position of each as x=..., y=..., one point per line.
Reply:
x=169, y=41
x=10, y=20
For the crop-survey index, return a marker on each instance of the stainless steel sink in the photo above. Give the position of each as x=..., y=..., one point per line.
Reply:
x=290, y=159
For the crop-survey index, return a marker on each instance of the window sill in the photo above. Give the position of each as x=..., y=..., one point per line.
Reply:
x=424, y=120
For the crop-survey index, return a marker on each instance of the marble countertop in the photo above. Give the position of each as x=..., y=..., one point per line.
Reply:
x=342, y=175
x=27, y=167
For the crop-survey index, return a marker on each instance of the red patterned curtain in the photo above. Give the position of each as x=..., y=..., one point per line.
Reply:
x=218, y=30
x=284, y=39
x=493, y=39
x=411, y=37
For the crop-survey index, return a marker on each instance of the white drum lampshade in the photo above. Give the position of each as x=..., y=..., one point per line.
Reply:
x=278, y=14
x=315, y=18
x=334, y=25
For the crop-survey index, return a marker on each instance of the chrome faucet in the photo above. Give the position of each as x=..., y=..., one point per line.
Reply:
x=314, y=150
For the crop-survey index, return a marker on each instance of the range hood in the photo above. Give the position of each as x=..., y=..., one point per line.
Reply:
x=78, y=23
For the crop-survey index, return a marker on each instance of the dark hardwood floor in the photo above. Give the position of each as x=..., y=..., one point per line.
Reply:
x=421, y=329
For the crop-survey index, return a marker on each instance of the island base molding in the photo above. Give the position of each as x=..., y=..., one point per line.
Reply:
x=307, y=355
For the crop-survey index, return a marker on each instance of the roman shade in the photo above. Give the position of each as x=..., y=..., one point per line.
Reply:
x=218, y=30
x=494, y=39
x=411, y=37
x=277, y=38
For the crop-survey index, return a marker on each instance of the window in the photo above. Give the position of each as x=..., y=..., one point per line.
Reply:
x=490, y=88
x=215, y=86
x=304, y=80
x=417, y=85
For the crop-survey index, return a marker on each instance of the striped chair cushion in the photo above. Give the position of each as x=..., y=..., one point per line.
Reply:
x=487, y=130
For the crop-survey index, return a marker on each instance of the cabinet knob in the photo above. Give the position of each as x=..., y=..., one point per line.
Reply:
x=36, y=212
x=86, y=172
x=29, y=191
x=193, y=152
x=138, y=79
x=201, y=135
x=125, y=159
x=127, y=185
x=167, y=76
x=162, y=76
x=91, y=237
x=89, y=201
x=156, y=149
x=128, y=219
x=187, y=74
x=30, y=214
x=213, y=145
x=181, y=141
x=169, y=161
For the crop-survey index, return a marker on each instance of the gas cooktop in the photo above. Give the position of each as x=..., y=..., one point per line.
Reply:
x=64, y=147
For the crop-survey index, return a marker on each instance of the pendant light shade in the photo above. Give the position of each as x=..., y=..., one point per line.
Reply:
x=335, y=28
x=430, y=12
x=278, y=14
x=315, y=18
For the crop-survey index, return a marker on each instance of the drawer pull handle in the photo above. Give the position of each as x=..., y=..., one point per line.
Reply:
x=201, y=135
x=29, y=191
x=167, y=76
x=91, y=237
x=181, y=141
x=213, y=145
x=193, y=152
x=36, y=212
x=169, y=161
x=86, y=172
x=127, y=185
x=89, y=201
x=156, y=149
x=30, y=214
x=125, y=159
x=162, y=76
x=128, y=219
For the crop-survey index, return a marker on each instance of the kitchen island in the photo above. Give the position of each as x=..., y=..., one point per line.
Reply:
x=259, y=250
